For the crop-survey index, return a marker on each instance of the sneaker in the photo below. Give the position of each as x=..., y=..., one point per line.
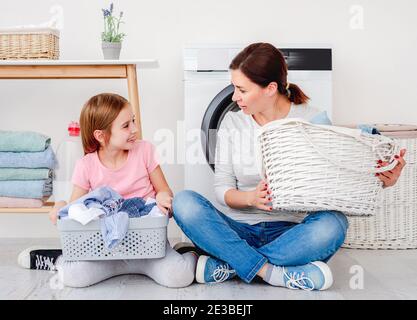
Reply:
x=183, y=247
x=38, y=258
x=312, y=276
x=211, y=270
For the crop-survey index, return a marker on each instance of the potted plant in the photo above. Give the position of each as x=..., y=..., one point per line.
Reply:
x=111, y=36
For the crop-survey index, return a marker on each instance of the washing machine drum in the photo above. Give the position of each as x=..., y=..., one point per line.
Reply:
x=217, y=109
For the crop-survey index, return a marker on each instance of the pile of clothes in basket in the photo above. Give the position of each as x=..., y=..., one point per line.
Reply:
x=27, y=161
x=113, y=211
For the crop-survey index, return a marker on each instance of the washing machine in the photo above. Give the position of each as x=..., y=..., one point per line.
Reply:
x=208, y=97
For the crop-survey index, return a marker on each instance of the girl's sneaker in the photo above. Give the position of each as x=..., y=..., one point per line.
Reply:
x=211, y=270
x=38, y=258
x=183, y=247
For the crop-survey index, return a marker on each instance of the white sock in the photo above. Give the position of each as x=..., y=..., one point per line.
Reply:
x=274, y=275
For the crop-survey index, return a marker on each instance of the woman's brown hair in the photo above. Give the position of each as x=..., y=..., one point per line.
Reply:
x=98, y=113
x=262, y=63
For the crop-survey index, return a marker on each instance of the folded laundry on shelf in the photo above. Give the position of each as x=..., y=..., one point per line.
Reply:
x=10, y=202
x=37, y=189
x=25, y=173
x=42, y=159
x=23, y=141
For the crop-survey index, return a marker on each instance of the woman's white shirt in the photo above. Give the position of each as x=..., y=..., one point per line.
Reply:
x=236, y=167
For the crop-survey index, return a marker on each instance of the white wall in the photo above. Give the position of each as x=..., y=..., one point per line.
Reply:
x=374, y=66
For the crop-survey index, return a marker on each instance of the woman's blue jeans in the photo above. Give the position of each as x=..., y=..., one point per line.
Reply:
x=246, y=248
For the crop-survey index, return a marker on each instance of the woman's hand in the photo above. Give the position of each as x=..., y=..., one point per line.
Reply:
x=260, y=197
x=389, y=178
x=53, y=214
x=164, y=202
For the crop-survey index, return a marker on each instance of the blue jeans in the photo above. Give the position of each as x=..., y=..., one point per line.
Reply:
x=246, y=248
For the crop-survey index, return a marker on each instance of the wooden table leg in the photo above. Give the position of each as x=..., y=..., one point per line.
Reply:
x=132, y=86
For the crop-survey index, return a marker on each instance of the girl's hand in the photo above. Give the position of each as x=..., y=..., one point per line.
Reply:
x=53, y=214
x=164, y=202
x=260, y=197
x=389, y=178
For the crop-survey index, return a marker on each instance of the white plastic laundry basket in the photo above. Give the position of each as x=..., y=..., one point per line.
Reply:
x=319, y=167
x=146, y=238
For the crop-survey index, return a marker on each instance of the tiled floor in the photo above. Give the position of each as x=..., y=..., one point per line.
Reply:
x=358, y=274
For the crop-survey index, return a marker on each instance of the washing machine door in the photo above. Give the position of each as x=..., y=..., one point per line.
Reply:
x=217, y=109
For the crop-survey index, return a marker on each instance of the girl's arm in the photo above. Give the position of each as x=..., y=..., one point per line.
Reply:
x=163, y=192
x=77, y=192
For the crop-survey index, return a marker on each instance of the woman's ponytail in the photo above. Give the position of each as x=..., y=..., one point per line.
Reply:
x=296, y=95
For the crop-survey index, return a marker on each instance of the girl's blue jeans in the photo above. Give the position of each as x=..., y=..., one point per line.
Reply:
x=246, y=248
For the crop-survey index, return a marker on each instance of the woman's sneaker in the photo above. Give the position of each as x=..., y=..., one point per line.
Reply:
x=211, y=270
x=312, y=276
x=38, y=258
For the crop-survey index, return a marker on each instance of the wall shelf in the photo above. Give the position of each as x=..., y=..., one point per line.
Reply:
x=44, y=209
x=77, y=69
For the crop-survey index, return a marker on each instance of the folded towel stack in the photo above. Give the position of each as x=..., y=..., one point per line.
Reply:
x=26, y=169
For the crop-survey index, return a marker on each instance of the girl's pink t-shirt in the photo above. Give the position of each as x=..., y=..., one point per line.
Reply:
x=131, y=180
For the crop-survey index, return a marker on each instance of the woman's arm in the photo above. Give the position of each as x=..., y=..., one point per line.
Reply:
x=163, y=192
x=225, y=181
x=77, y=192
x=256, y=198
x=237, y=199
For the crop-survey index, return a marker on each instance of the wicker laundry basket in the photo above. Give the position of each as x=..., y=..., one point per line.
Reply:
x=313, y=167
x=146, y=238
x=29, y=43
x=394, y=225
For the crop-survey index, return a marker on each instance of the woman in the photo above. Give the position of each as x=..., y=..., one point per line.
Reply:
x=283, y=248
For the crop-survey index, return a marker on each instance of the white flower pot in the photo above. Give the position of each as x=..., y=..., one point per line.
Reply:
x=111, y=50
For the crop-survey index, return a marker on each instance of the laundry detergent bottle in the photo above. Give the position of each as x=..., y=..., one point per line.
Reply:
x=68, y=152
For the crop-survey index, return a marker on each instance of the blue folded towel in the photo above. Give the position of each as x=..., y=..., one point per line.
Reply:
x=36, y=189
x=321, y=118
x=43, y=159
x=23, y=141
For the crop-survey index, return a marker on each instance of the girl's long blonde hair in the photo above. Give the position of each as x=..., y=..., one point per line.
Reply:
x=98, y=113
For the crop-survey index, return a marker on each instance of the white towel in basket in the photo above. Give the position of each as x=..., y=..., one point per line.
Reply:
x=79, y=212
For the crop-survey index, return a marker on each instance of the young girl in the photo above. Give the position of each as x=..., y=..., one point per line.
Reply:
x=115, y=158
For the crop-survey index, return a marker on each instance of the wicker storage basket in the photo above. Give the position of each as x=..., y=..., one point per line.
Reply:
x=318, y=167
x=394, y=226
x=146, y=238
x=29, y=43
